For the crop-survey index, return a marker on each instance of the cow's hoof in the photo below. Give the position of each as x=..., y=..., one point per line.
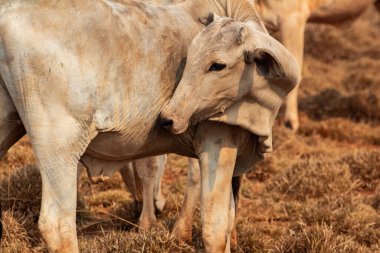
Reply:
x=292, y=124
x=160, y=204
x=146, y=224
x=182, y=232
x=234, y=244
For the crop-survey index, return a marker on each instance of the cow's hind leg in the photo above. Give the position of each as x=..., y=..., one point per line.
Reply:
x=183, y=227
x=143, y=179
x=147, y=170
x=292, y=36
x=159, y=198
x=134, y=185
x=11, y=127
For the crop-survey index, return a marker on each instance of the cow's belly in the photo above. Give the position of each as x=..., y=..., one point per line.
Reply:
x=111, y=146
x=332, y=11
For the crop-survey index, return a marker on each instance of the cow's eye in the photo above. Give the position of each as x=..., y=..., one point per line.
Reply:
x=217, y=67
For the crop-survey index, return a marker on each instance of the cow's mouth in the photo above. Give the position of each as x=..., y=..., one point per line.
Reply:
x=216, y=114
x=206, y=117
x=177, y=124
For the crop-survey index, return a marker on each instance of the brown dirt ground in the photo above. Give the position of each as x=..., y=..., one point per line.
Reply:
x=318, y=192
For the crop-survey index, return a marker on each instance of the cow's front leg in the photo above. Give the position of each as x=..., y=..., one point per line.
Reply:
x=183, y=226
x=57, y=155
x=57, y=147
x=58, y=207
x=217, y=153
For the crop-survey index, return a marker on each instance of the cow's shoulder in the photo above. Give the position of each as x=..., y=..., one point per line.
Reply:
x=12, y=17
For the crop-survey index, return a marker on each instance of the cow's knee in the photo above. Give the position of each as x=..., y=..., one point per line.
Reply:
x=215, y=242
x=49, y=231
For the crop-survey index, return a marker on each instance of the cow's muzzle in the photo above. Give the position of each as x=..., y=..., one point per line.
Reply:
x=165, y=123
x=172, y=122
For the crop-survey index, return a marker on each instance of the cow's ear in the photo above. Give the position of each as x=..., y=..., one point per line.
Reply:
x=242, y=35
x=206, y=20
x=266, y=62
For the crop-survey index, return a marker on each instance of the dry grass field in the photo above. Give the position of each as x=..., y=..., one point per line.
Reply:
x=319, y=191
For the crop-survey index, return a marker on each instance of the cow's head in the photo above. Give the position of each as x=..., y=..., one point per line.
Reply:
x=235, y=74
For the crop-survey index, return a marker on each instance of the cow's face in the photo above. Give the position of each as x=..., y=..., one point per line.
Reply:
x=226, y=63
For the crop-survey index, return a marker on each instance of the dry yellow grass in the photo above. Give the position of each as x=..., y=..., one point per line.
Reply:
x=318, y=192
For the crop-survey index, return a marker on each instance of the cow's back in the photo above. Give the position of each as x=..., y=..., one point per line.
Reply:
x=335, y=11
x=316, y=11
x=113, y=63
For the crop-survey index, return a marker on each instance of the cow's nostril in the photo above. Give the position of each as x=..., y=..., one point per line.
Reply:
x=166, y=123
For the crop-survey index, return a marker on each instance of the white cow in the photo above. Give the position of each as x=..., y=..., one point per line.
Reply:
x=290, y=18
x=88, y=79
